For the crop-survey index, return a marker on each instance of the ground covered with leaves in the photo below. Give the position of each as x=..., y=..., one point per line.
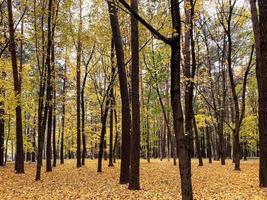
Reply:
x=159, y=180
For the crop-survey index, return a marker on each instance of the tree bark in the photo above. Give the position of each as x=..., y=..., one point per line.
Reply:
x=78, y=89
x=112, y=105
x=2, y=130
x=126, y=117
x=260, y=33
x=200, y=161
x=104, y=115
x=19, y=162
x=47, y=109
x=182, y=143
x=209, y=153
x=63, y=115
x=134, y=181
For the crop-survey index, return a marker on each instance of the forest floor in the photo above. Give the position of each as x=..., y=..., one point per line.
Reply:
x=159, y=180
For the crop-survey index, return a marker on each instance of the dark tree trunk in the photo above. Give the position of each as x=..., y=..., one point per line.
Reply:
x=54, y=105
x=78, y=91
x=2, y=131
x=19, y=162
x=110, y=164
x=104, y=115
x=134, y=181
x=200, y=161
x=63, y=116
x=260, y=33
x=54, y=137
x=83, y=108
x=209, y=153
x=48, y=100
x=188, y=99
x=182, y=143
x=112, y=105
x=34, y=140
x=116, y=146
x=148, y=127
x=126, y=117
x=83, y=124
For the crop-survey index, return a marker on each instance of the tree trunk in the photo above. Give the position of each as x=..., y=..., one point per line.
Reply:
x=78, y=90
x=134, y=181
x=260, y=34
x=209, y=153
x=200, y=161
x=63, y=116
x=2, y=124
x=116, y=146
x=54, y=105
x=110, y=164
x=182, y=143
x=83, y=125
x=104, y=115
x=19, y=162
x=48, y=100
x=112, y=105
x=2, y=131
x=188, y=99
x=126, y=117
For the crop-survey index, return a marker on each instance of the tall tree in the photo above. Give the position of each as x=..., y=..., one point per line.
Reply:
x=48, y=106
x=63, y=114
x=112, y=105
x=19, y=162
x=125, y=108
x=78, y=88
x=187, y=72
x=134, y=182
x=260, y=34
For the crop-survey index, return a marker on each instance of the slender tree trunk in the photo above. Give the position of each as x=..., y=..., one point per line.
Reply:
x=104, y=115
x=112, y=105
x=200, y=161
x=148, y=127
x=2, y=124
x=34, y=139
x=48, y=99
x=83, y=127
x=209, y=153
x=78, y=90
x=134, y=181
x=110, y=164
x=63, y=116
x=126, y=117
x=182, y=142
x=116, y=146
x=19, y=163
x=2, y=131
x=54, y=105
x=187, y=72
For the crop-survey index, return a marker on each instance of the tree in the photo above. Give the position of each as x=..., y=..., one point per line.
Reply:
x=48, y=106
x=125, y=109
x=63, y=114
x=134, y=183
x=19, y=163
x=112, y=107
x=78, y=88
x=260, y=34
